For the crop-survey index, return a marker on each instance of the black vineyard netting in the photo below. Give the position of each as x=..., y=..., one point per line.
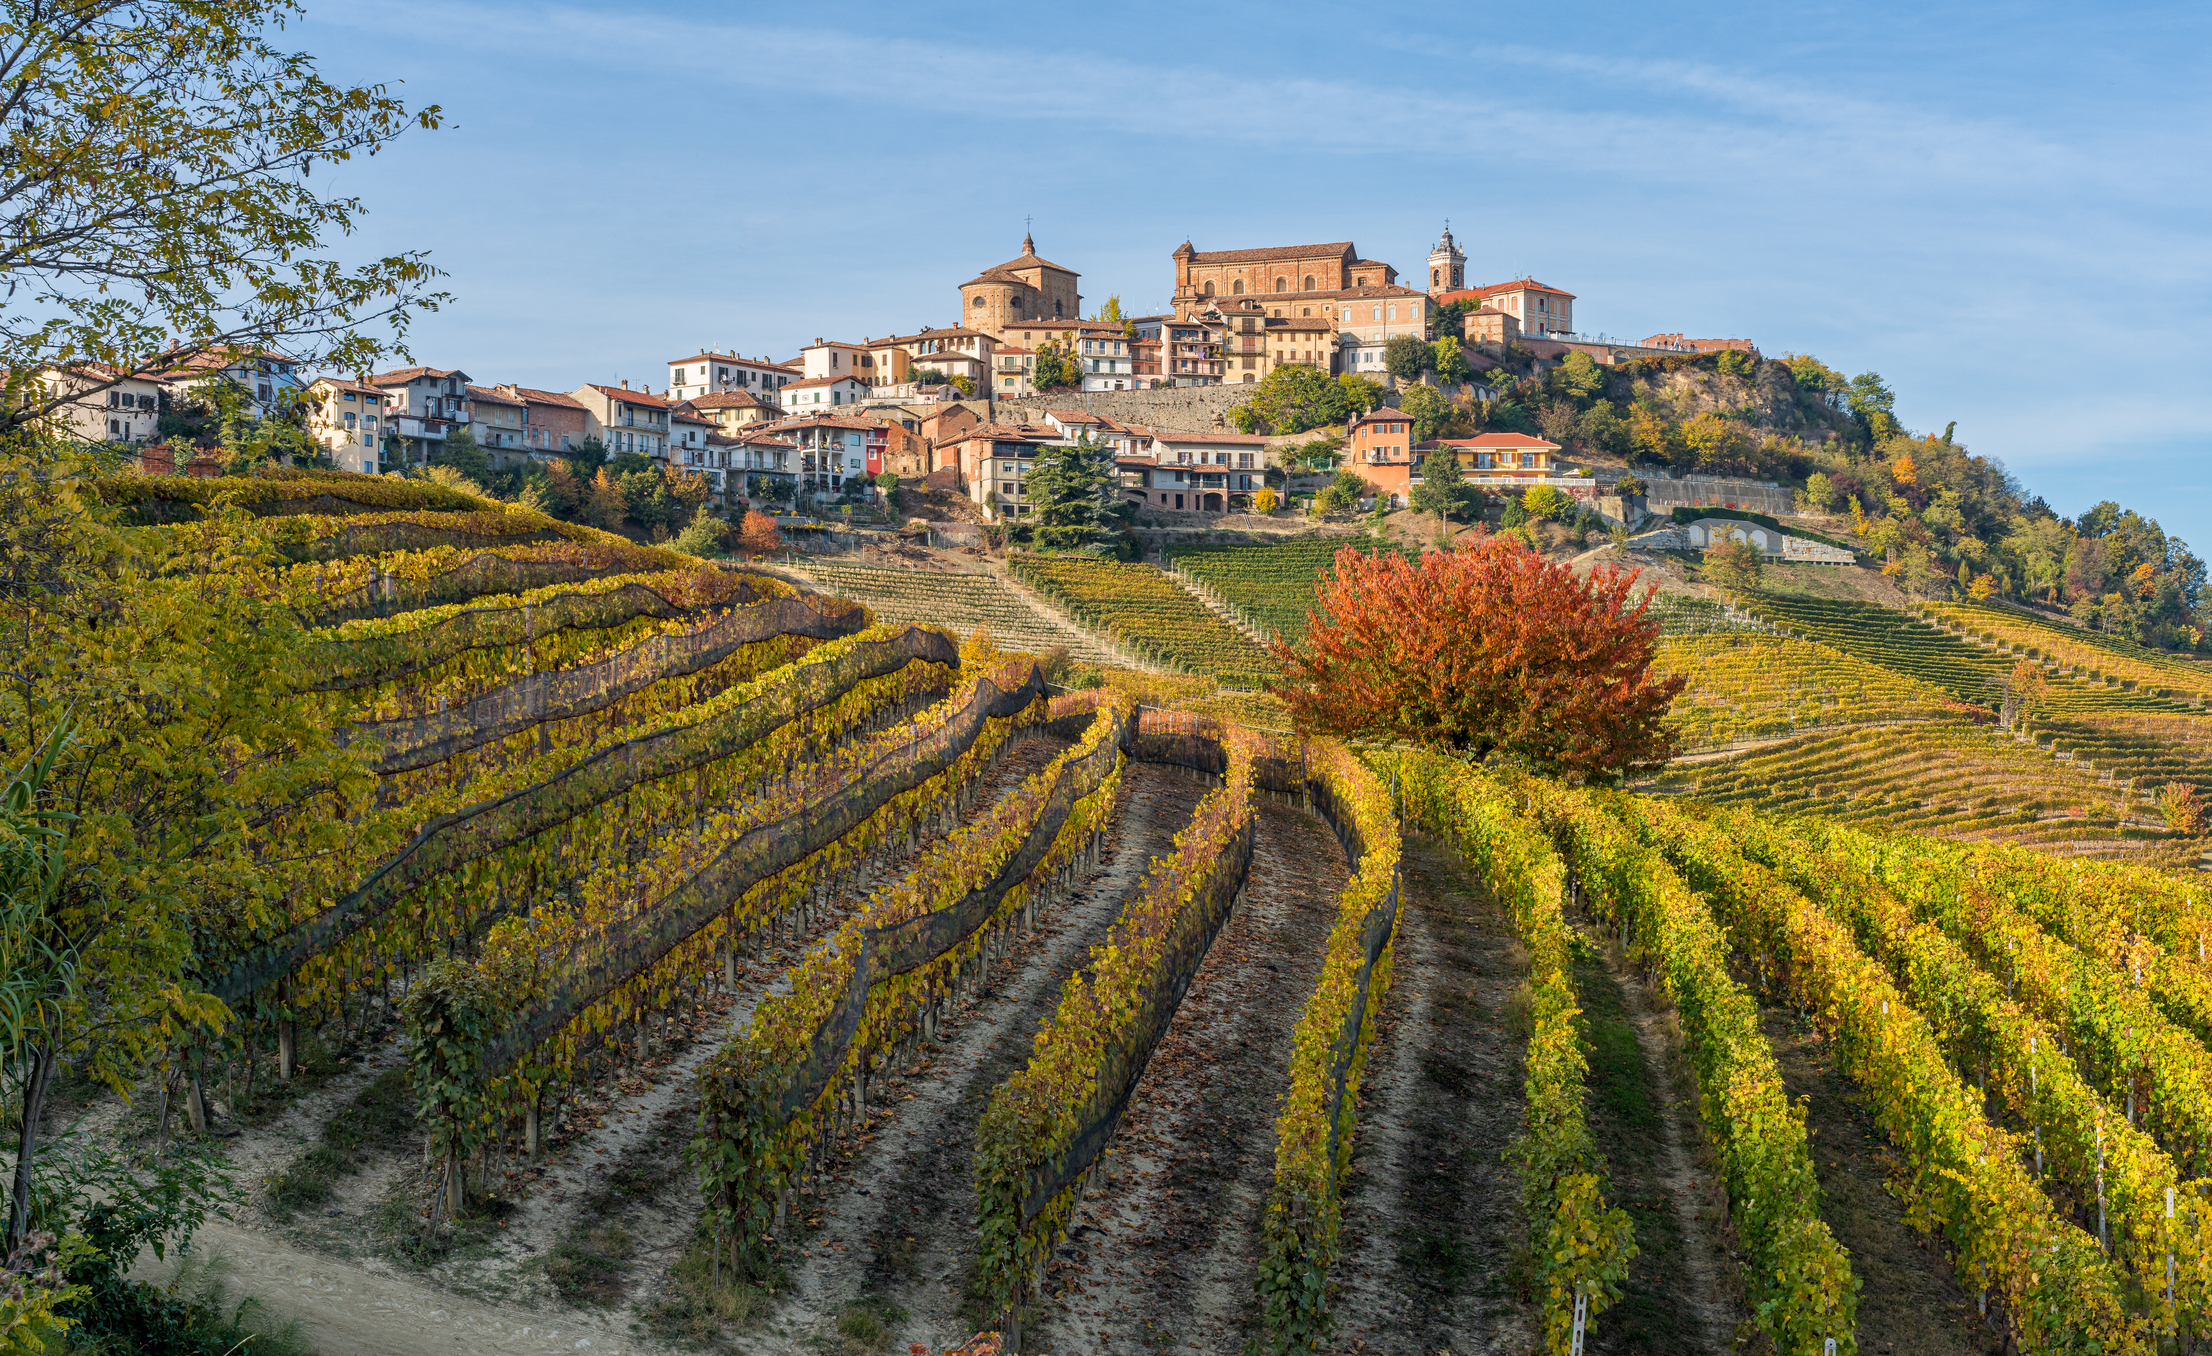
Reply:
x=348, y=664
x=1222, y=877
x=909, y=945
x=480, y=830
x=420, y=741
x=1181, y=739
x=834, y=811
x=485, y=572
x=1376, y=930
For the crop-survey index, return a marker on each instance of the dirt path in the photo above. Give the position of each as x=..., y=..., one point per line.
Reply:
x=1684, y=1293
x=1166, y=1240
x=1432, y=1229
x=898, y=1232
x=1909, y=1301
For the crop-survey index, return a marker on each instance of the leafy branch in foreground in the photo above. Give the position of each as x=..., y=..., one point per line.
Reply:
x=154, y=197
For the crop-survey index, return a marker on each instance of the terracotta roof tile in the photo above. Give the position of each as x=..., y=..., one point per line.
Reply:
x=1271, y=252
x=633, y=397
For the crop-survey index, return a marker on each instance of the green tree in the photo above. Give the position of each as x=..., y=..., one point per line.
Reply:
x=157, y=202
x=1430, y=411
x=1057, y=367
x=159, y=685
x=1734, y=565
x=1343, y=491
x=1443, y=491
x=460, y=450
x=1361, y=394
x=1872, y=403
x=1447, y=361
x=1293, y=398
x=1820, y=492
x=1404, y=357
x=1075, y=496
x=1549, y=503
x=1602, y=427
x=1579, y=376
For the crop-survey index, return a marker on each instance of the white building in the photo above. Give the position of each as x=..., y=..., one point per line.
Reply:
x=711, y=373
x=804, y=397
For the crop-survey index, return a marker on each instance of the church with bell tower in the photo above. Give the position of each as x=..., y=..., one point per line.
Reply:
x=1447, y=266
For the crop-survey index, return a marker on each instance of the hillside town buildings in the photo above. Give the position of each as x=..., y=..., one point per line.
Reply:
x=925, y=404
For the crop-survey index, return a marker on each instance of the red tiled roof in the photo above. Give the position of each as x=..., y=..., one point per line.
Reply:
x=633, y=397
x=1515, y=440
x=1517, y=285
x=402, y=376
x=730, y=400
x=334, y=383
x=712, y=357
x=818, y=381
x=538, y=397
x=686, y=417
x=491, y=397
x=1075, y=417
x=1377, y=416
x=1239, y=439
x=1027, y=261
x=1337, y=247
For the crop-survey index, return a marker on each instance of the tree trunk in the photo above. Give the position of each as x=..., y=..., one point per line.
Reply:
x=26, y=1146
x=287, y=1048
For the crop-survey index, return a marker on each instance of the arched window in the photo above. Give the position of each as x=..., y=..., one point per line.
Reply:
x=1237, y=288
x=1309, y=284
x=1435, y=275
x=1056, y=310
x=1282, y=284
x=1209, y=289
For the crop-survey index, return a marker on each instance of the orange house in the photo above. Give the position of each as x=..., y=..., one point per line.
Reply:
x=1380, y=451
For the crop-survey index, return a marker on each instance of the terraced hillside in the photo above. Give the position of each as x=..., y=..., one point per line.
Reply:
x=1143, y=608
x=1951, y=780
x=1272, y=585
x=2058, y=644
x=1752, y=686
x=1910, y=645
x=961, y=603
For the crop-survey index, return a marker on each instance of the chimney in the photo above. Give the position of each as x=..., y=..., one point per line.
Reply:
x=625, y=383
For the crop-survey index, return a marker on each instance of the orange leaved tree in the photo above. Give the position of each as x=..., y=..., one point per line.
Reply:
x=757, y=534
x=1491, y=649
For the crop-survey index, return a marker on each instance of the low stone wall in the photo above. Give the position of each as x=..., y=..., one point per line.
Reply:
x=1179, y=409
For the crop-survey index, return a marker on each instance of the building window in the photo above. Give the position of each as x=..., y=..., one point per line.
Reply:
x=1282, y=284
x=1237, y=288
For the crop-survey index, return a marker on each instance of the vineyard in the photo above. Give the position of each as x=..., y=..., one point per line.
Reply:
x=961, y=603
x=1146, y=610
x=1274, y=585
x=670, y=944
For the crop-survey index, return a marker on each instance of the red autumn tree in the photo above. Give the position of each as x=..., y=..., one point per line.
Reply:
x=757, y=535
x=1486, y=650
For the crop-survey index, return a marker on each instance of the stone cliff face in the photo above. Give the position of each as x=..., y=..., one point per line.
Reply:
x=1770, y=391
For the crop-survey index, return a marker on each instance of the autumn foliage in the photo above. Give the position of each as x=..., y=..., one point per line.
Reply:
x=757, y=535
x=1490, y=649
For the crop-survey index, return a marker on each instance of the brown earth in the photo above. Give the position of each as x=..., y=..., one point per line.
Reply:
x=1434, y=1252
x=1163, y=1244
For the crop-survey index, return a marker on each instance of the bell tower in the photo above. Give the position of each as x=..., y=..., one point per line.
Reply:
x=1447, y=266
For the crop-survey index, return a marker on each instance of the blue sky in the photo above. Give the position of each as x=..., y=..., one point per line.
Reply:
x=2001, y=210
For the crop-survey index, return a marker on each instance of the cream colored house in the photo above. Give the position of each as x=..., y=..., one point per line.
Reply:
x=349, y=419
x=126, y=412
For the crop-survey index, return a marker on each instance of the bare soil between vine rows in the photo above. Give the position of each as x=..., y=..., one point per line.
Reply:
x=898, y=1226
x=1432, y=1241
x=1165, y=1242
